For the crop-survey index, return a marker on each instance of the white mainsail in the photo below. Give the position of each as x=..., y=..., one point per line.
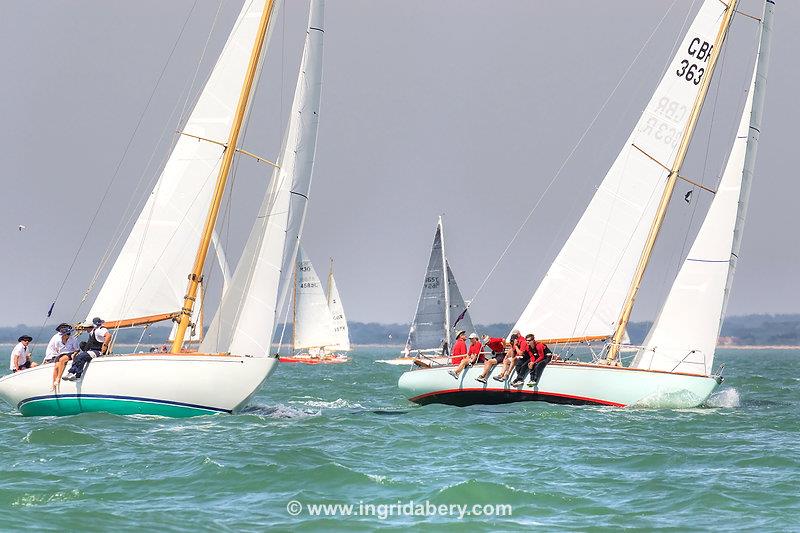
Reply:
x=341, y=333
x=583, y=291
x=684, y=337
x=313, y=327
x=149, y=275
x=429, y=329
x=246, y=318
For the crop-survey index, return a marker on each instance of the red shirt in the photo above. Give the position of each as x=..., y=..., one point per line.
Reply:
x=541, y=350
x=496, y=345
x=459, y=351
x=522, y=344
x=475, y=349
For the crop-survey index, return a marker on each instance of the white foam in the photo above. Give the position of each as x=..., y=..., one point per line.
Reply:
x=724, y=398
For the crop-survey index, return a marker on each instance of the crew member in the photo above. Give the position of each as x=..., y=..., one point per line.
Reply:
x=459, y=348
x=99, y=340
x=472, y=355
x=60, y=349
x=516, y=351
x=498, y=348
x=20, y=355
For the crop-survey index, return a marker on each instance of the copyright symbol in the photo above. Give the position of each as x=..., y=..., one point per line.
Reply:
x=294, y=507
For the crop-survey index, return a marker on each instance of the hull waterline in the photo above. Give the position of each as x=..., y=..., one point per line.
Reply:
x=563, y=383
x=163, y=385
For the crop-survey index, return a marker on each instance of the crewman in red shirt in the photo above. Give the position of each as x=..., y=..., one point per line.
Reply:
x=518, y=349
x=473, y=355
x=498, y=348
x=459, y=348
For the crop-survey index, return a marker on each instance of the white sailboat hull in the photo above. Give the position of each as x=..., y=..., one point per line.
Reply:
x=565, y=383
x=163, y=384
x=405, y=361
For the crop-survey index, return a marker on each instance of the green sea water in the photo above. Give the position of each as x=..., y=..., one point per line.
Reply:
x=343, y=434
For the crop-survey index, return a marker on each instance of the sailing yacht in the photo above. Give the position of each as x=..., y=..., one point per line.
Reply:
x=440, y=310
x=589, y=291
x=319, y=326
x=171, y=239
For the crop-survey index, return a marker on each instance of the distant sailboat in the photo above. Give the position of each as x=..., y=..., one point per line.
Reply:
x=172, y=237
x=441, y=311
x=318, y=329
x=589, y=291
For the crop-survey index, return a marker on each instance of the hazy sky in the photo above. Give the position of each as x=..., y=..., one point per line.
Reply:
x=461, y=107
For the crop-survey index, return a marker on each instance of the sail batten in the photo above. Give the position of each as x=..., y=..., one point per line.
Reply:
x=583, y=292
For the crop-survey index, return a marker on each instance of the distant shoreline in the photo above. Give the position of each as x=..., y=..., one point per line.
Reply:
x=757, y=347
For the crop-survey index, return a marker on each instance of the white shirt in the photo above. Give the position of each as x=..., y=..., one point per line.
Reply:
x=100, y=333
x=57, y=347
x=19, y=355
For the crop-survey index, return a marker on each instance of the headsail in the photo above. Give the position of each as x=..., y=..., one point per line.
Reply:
x=584, y=289
x=313, y=327
x=684, y=336
x=458, y=306
x=246, y=317
x=149, y=275
x=341, y=333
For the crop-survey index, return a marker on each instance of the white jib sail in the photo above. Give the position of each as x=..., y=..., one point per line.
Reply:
x=149, y=275
x=684, y=336
x=341, y=333
x=584, y=289
x=313, y=327
x=245, y=320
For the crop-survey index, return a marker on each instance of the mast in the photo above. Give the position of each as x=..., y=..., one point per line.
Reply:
x=227, y=159
x=672, y=179
x=446, y=279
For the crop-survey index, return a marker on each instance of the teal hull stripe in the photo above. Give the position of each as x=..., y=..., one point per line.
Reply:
x=123, y=398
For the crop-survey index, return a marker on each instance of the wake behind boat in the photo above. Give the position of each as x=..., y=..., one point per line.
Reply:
x=167, y=243
x=588, y=293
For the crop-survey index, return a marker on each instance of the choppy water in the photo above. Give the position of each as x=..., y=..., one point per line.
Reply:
x=343, y=434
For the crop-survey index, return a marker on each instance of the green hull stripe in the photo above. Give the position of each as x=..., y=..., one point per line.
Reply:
x=65, y=406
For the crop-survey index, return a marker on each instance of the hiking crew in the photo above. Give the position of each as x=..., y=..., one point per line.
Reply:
x=473, y=355
x=498, y=348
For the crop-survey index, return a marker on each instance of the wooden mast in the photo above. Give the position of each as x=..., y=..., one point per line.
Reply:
x=655, y=228
x=227, y=159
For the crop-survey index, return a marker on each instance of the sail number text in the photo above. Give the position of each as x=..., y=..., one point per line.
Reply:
x=431, y=282
x=700, y=51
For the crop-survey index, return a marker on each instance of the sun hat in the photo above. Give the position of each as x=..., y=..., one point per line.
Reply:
x=25, y=338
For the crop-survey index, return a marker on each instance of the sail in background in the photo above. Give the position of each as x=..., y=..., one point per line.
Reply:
x=341, y=333
x=246, y=318
x=313, y=327
x=583, y=291
x=149, y=275
x=684, y=336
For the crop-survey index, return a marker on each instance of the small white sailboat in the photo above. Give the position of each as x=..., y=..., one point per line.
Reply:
x=319, y=326
x=440, y=310
x=171, y=238
x=589, y=291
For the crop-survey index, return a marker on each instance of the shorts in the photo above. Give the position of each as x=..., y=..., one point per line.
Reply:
x=498, y=357
x=26, y=365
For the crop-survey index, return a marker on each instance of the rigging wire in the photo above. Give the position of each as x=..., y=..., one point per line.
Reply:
x=568, y=158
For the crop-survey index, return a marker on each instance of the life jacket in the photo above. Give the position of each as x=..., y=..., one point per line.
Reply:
x=92, y=344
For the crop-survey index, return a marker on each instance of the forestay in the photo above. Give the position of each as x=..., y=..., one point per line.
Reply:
x=584, y=289
x=149, y=275
x=313, y=327
x=246, y=317
x=684, y=337
x=341, y=333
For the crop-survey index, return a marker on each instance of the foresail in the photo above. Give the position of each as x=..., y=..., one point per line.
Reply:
x=313, y=326
x=457, y=307
x=428, y=326
x=149, y=275
x=246, y=317
x=684, y=337
x=584, y=289
x=341, y=333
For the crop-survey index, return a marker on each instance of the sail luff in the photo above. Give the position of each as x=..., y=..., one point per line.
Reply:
x=447, y=325
x=227, y=160
x=666, y=196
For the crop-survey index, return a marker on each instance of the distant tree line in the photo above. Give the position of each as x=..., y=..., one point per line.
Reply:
x=742, y=330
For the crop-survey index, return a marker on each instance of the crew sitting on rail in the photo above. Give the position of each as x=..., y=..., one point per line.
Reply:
x=536, y=353
x=473, y=355
x=99, y=340
x=515, y=352
x=78, y=363
x=498, y=348
x=459, y=348
x=543, y=356
x=60, y=349
x=21, y=355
